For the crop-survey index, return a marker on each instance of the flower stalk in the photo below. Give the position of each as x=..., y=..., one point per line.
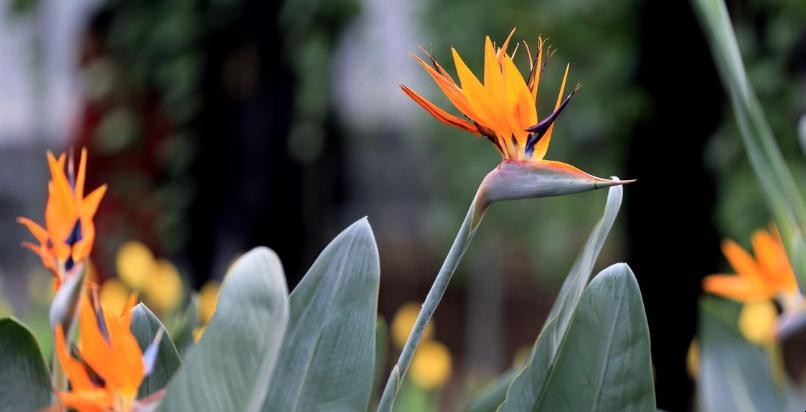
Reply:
x=475, y=215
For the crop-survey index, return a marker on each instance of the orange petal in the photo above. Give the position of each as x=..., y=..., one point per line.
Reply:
x=440, y=114
x=479, y=99
x=543, y=144
x=773, y=262
x=72, y=368
x=88, y=400
x=82, y=171
x=735, y=287
x=741, y=261
x=39, y=232
x=502, y=51
x=450, y=90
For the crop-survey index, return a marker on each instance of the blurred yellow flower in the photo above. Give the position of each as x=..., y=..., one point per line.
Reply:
x=208, y=299
x=114, y=295
x=134, y=263
x=431, y=366
x=198, y=331
x=757, y=322
x=521, y=356
x=164, y=286
x=403, y=322
x=693, y=359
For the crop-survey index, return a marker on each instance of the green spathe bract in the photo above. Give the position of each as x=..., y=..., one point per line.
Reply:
x=145, y=326
x=327, y=359
x=24, y=381
x=231, y=366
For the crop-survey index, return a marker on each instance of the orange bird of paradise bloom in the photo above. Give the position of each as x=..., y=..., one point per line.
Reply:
x=69, y=231
x=767, y=276
x=107, y=367
x=503, y=108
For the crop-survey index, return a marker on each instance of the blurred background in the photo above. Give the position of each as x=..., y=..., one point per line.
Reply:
x=221, y=125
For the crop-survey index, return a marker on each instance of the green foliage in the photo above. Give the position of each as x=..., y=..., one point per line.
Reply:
x=328, y=354
x=530, y=384
x=231, y=367
x=734, y=374
x=186, y=321
x=603, y=363
x=778, y=184
x=24, y=381
x=145, y=326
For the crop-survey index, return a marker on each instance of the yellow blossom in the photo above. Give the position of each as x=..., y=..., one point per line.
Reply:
x=757, y=322
x=403, y=322
x=431, y=366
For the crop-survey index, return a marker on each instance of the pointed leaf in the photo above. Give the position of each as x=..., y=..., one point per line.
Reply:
x=604, y=362
x=326, y=362
x=24, y=380
x=493, y=395
x=527, y=387
x=231, y=366
x=188, y=320
x=145, y=326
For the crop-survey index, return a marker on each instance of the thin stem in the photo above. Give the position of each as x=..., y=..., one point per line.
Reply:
x=472, y=220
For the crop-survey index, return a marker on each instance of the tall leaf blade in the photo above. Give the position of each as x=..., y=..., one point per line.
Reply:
x=24, y=380
x=145, y=326
x=604, y=363
x=231, y=366
x=780, y=189
x=327, y=358
x=528, y=385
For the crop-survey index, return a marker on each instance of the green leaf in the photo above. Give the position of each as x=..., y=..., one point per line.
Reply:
x=529, y=385
x=493, y=395
x=24, y=380
x=144, y=327
x=327, y=359
x=186, y=322
x=780, y=188
x=735, y=375
x=231, y=366
x=604, y=363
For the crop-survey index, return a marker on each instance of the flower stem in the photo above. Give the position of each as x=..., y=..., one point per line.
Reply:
x=472, y=220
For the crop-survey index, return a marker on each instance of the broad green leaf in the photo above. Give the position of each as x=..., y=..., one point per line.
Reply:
x=604, y=363
x=231, y=366
x=735, y=375
x=186, y=322
x=24, y=380
x=529, y=385
x=493, y=395
x=780, y=188
x=144, y=327
x=326, y=362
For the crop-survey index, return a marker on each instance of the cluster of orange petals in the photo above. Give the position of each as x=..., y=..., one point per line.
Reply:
x=69, y=231
x=110, y=366
x=767, y=276
x=503, y=108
